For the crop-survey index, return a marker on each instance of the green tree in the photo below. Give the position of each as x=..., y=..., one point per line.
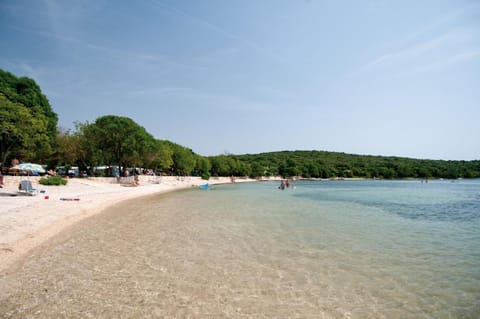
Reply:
x=88, y=155
x=67, y=149
x=24, y=91
x=313, y=169
x=183, y=160
x=162, y=156
x=242, y=169
x=203, y=165
x=21, y=131
x=257, y=170
x=118, y=140
x=220, y=166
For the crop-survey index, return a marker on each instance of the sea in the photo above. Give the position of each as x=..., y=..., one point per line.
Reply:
x=318, y=249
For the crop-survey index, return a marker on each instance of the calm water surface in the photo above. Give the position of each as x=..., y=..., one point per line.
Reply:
x=329, y=249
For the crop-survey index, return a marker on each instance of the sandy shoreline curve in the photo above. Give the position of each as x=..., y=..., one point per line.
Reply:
x=28, y=221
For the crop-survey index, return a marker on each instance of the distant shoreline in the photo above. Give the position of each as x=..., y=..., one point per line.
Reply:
x=381, y=179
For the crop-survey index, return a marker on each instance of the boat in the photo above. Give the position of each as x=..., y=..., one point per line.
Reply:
x=204, y=186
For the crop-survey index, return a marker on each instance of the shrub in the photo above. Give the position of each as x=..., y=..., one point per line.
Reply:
x=206, y=176
x=53, y=180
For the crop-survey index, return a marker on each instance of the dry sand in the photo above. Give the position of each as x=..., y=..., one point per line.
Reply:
x=27, y=221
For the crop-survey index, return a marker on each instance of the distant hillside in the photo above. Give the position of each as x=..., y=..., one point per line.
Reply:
x=322, y=164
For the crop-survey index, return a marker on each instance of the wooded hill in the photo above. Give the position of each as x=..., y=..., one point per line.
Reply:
x=322, y=164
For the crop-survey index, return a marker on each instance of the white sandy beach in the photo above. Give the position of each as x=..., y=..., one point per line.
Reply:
x=28, y=221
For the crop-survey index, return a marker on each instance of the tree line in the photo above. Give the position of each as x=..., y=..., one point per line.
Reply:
x=29, y=131
x=322, y=164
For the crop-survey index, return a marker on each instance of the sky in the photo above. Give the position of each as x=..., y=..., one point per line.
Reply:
x=393, y=78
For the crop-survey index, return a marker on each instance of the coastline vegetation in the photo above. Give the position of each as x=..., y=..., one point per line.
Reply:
x=29, y=131
x=322, y=164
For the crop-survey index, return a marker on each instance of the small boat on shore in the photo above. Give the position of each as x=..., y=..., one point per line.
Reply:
x=204, y=186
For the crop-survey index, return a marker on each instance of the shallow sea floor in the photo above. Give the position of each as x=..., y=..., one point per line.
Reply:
x=253, y=251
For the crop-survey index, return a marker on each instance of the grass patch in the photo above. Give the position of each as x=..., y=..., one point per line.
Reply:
x=53, y=181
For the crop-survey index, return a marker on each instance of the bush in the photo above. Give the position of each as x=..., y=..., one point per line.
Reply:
x=206, y=176
x=53, y=180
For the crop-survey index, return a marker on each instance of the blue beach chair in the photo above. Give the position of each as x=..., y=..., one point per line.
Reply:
x=27, y=188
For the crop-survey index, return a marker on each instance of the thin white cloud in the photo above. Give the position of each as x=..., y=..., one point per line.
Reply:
x=30, y=70
x=200, y=21
x=416, y=50
x=47, y=34
x=447, y=36
x=124, y=55
x=60, y=12
x=450, y=18
x=25, y=68
x=132, y=57
x=160, y=91
x=213, y=101
x=463, y=57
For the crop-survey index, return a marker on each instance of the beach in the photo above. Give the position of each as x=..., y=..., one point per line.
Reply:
x=28, y=221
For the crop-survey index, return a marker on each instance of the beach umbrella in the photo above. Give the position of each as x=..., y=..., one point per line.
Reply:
x=30, y=167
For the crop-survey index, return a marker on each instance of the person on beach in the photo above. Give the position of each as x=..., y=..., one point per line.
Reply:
x=14, y=162
x=1, y=176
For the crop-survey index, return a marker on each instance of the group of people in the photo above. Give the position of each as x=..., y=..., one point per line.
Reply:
x=286, y=183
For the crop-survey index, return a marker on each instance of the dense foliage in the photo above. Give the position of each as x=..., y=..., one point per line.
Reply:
x=321, y=164
x=120, y=144
x=28, y=130
x=118, y=141
x=28, y=125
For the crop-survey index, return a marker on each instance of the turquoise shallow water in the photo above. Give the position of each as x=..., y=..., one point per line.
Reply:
x=327, y=249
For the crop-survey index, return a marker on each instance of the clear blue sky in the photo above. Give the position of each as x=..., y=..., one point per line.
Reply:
x=367, y=77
